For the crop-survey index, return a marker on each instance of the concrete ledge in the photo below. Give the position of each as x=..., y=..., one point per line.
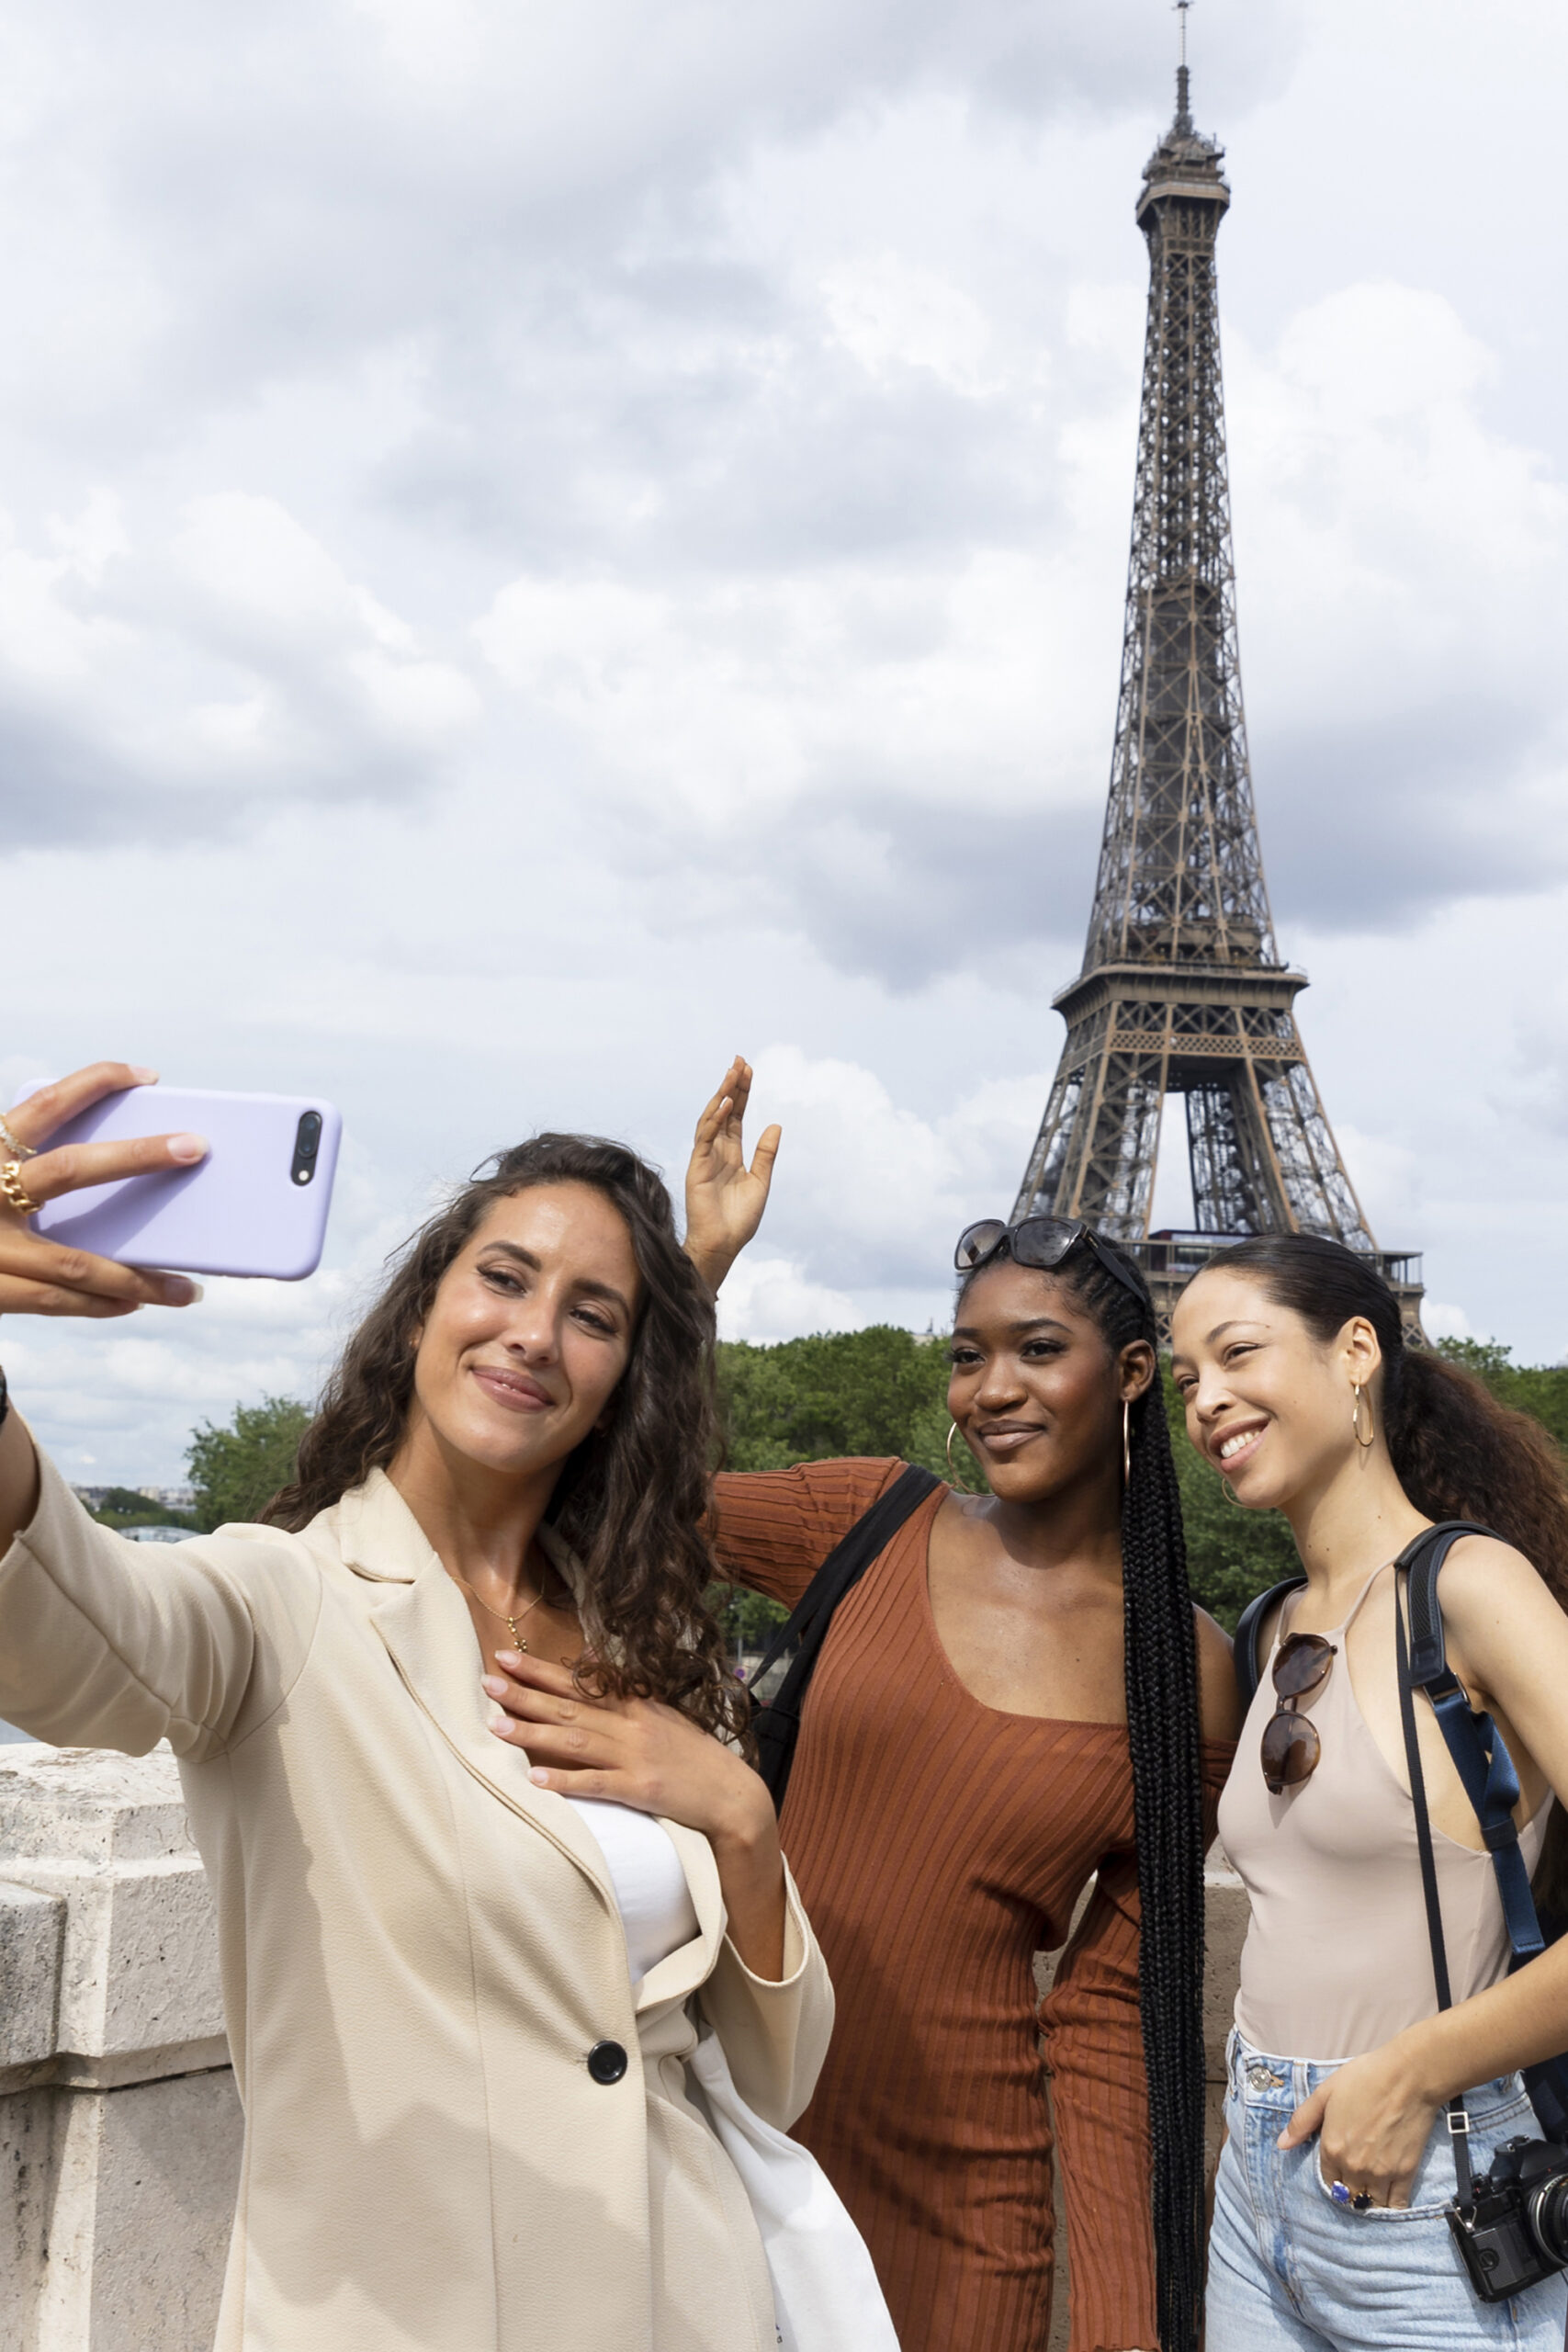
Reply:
x=120, y=2131
x=32, y=1944
x=106, y=1835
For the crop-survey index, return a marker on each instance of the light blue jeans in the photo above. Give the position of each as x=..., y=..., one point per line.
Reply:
x=1291, y=2271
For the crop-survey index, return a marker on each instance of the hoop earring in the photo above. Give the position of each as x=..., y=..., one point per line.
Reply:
x=1127, y=1441
x=1363, y=1404
x=1230, y=1494
x=955, y=1475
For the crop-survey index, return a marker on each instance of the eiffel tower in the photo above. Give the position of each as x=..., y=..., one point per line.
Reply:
x=1182, y=989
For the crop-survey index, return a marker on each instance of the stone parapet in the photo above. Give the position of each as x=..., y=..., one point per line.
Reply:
x=119, y=2127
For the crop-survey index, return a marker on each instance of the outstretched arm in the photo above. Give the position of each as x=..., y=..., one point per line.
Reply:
x=39, y=1277
x=724, y=1199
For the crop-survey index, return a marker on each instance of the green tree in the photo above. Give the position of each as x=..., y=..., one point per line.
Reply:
x=237, y=1470
x=123, y=1507
x=1540, y=1389
x=879, y=1391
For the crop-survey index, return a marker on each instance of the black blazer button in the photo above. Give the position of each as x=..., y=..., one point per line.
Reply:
x=606, y=2062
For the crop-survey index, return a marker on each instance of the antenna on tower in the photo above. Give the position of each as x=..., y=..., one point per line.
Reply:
x=1183, y=109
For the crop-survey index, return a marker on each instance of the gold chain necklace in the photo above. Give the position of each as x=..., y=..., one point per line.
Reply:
x=501, y=1616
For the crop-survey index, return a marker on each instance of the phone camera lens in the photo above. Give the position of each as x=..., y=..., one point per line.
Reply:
x=307, y=1144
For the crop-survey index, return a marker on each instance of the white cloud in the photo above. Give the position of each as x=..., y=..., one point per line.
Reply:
x=770, y=1298
x=545, y=545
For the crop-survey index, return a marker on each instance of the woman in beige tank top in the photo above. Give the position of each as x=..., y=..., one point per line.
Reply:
x=1330, y=2228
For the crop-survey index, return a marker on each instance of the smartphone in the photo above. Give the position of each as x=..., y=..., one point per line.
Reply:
x=257, y=1204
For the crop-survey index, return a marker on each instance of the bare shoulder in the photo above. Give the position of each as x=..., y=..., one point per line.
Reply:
x=1502, y=1622
x=1219, y=1699
x=1486, y=1582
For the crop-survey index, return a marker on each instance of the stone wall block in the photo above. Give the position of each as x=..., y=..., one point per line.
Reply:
x=32, y=1938
x=106, y=1835
x=143, y=2202
x=28, y=2122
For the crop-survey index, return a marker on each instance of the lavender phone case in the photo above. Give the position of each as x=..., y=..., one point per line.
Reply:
x=247, y=1208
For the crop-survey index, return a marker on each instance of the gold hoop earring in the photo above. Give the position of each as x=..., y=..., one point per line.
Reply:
x=955, y=1475
x=1230, y=1494
x=1363, y=1404
x=1127, y=1441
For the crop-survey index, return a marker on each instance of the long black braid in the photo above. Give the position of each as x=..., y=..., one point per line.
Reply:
x=1163, y=1735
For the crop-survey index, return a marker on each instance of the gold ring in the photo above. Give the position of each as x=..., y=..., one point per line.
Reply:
x=15, y=1146
x=15, y=1191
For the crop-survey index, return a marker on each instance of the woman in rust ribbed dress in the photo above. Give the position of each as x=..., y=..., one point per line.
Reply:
x=1017, y=1695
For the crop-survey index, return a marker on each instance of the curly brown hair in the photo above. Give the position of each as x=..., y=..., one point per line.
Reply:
x=1458, y=1453
x=630, y=1500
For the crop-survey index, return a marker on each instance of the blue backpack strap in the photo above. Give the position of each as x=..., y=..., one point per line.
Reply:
x=1249, y=1636
x=1480, y=1757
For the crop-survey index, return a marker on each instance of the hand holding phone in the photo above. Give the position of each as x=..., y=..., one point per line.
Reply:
x=253, y=1200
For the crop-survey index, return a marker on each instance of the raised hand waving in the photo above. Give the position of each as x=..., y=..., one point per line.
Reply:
x=724, y=1199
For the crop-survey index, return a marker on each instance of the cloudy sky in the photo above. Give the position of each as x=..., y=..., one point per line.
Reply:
x=541, y=545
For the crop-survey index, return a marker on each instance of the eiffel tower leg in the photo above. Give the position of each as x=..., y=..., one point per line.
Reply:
x=1264, y=1159
x=1322, y=1197
x=1235, y=1182
x=1096, y=1151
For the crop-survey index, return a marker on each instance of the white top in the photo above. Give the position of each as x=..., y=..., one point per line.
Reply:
x=651, y=1893
x=827, y=2297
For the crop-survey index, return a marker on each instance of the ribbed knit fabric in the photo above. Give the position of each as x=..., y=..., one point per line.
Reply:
x=939, y=1844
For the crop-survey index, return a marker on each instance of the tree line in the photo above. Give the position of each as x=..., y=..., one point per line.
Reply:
x=880, y=1391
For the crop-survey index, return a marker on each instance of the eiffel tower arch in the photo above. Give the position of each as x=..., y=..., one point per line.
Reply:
x=1182, y=989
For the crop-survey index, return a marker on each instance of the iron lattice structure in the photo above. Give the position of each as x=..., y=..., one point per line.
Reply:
x=1182, y=989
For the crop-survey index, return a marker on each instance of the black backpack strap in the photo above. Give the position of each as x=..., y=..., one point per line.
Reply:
x=781, y=1682
x=1249, y=1636
x=1480, y=1757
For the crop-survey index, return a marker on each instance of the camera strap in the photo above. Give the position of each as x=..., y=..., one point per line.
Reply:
x=1458, y=2121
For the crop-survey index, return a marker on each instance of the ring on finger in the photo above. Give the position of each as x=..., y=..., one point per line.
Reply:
x=15, y=1191
x=15, y=1146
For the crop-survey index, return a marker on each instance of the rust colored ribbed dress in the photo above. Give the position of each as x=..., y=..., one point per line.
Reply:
x=939, y=1844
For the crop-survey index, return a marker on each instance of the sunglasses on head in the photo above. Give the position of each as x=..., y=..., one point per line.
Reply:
x=1042, y=1242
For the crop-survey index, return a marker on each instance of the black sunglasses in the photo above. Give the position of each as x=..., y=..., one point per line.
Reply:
x=1042, y=1242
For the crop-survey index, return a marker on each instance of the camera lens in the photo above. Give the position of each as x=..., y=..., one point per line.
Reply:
x=307, y=1144
x=1549, y=2217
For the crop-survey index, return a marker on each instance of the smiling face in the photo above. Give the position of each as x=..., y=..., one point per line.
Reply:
x=1035, y=1388
x=529, y=1333
x=1268, y=1403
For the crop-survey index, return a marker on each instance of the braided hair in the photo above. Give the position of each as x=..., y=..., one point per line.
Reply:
x=1161, y=1667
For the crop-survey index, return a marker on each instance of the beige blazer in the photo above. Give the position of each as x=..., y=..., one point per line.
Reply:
x=420, y=1951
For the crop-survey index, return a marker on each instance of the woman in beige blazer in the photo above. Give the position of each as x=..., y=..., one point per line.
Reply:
x=467, y=2124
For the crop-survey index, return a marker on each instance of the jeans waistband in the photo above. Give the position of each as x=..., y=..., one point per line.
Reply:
x=1263, y=2078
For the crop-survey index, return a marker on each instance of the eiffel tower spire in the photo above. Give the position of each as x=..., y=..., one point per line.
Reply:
x=1182, y=989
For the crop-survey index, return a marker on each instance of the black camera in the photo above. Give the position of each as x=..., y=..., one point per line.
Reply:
x=1513, y=2232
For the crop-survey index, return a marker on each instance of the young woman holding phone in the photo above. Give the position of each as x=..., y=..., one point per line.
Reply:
x=1330, y=2231
x=469, y=1986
